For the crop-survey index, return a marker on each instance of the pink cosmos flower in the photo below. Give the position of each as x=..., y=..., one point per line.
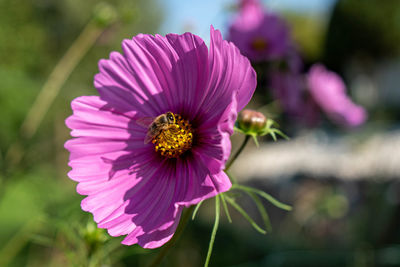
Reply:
x=288, y=88
x=329, y=92
x=258, y=34
x=139, y=189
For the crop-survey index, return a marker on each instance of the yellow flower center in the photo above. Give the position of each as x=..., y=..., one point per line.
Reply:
x=259, y=44
x=174, y=139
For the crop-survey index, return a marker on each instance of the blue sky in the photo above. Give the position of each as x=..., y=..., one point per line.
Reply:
x=197, y=15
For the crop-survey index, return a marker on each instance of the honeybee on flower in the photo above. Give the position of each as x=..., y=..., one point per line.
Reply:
x=169, y=132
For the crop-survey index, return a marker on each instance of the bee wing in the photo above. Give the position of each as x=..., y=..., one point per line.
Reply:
x=145, y=122
x=148, y=137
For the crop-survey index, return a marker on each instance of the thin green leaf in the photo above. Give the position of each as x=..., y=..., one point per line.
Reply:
x=281, y=134
x=268, y=197
x=276, y=124
x=255, y=140
x=264, y=132
x=196, y=209
x=261, y=210
x=214, y=230
x=269, y=123
x=237, y=129
x=245, y=215
x=226, y=208
x=272, y=133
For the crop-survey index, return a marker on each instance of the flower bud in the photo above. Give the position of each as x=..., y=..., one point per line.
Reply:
x=94, y=237
x=251, y=121
x=104, y=14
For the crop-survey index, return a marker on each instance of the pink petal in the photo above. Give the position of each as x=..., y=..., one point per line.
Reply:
x=231, y=85
x=329, y=91
x=157, y=205
x=92, y=119
x=200, y=184
x=155, y=74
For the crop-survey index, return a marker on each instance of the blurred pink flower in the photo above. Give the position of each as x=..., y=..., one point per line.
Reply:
x=250, y=14
x=288, y=88
x=329, y=92
x=259, y=35
x=131, y=188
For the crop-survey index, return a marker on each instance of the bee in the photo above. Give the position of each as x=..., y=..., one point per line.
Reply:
x=156, y=125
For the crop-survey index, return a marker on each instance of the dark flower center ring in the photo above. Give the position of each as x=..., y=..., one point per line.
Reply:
x=175, y=139
x=259, y=44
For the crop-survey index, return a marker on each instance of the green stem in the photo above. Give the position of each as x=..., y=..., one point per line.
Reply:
x=52, y=87
x=214, y=230
x=226, y=208
x=232, y=160
x=197, y=209
x=164, y=251
x=58, y=77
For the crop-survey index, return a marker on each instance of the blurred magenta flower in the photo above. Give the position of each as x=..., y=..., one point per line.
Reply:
x=139, y=189
x=260, y=35
x=329, y=92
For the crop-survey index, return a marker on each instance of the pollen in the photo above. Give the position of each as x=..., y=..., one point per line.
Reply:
x=175, y=140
